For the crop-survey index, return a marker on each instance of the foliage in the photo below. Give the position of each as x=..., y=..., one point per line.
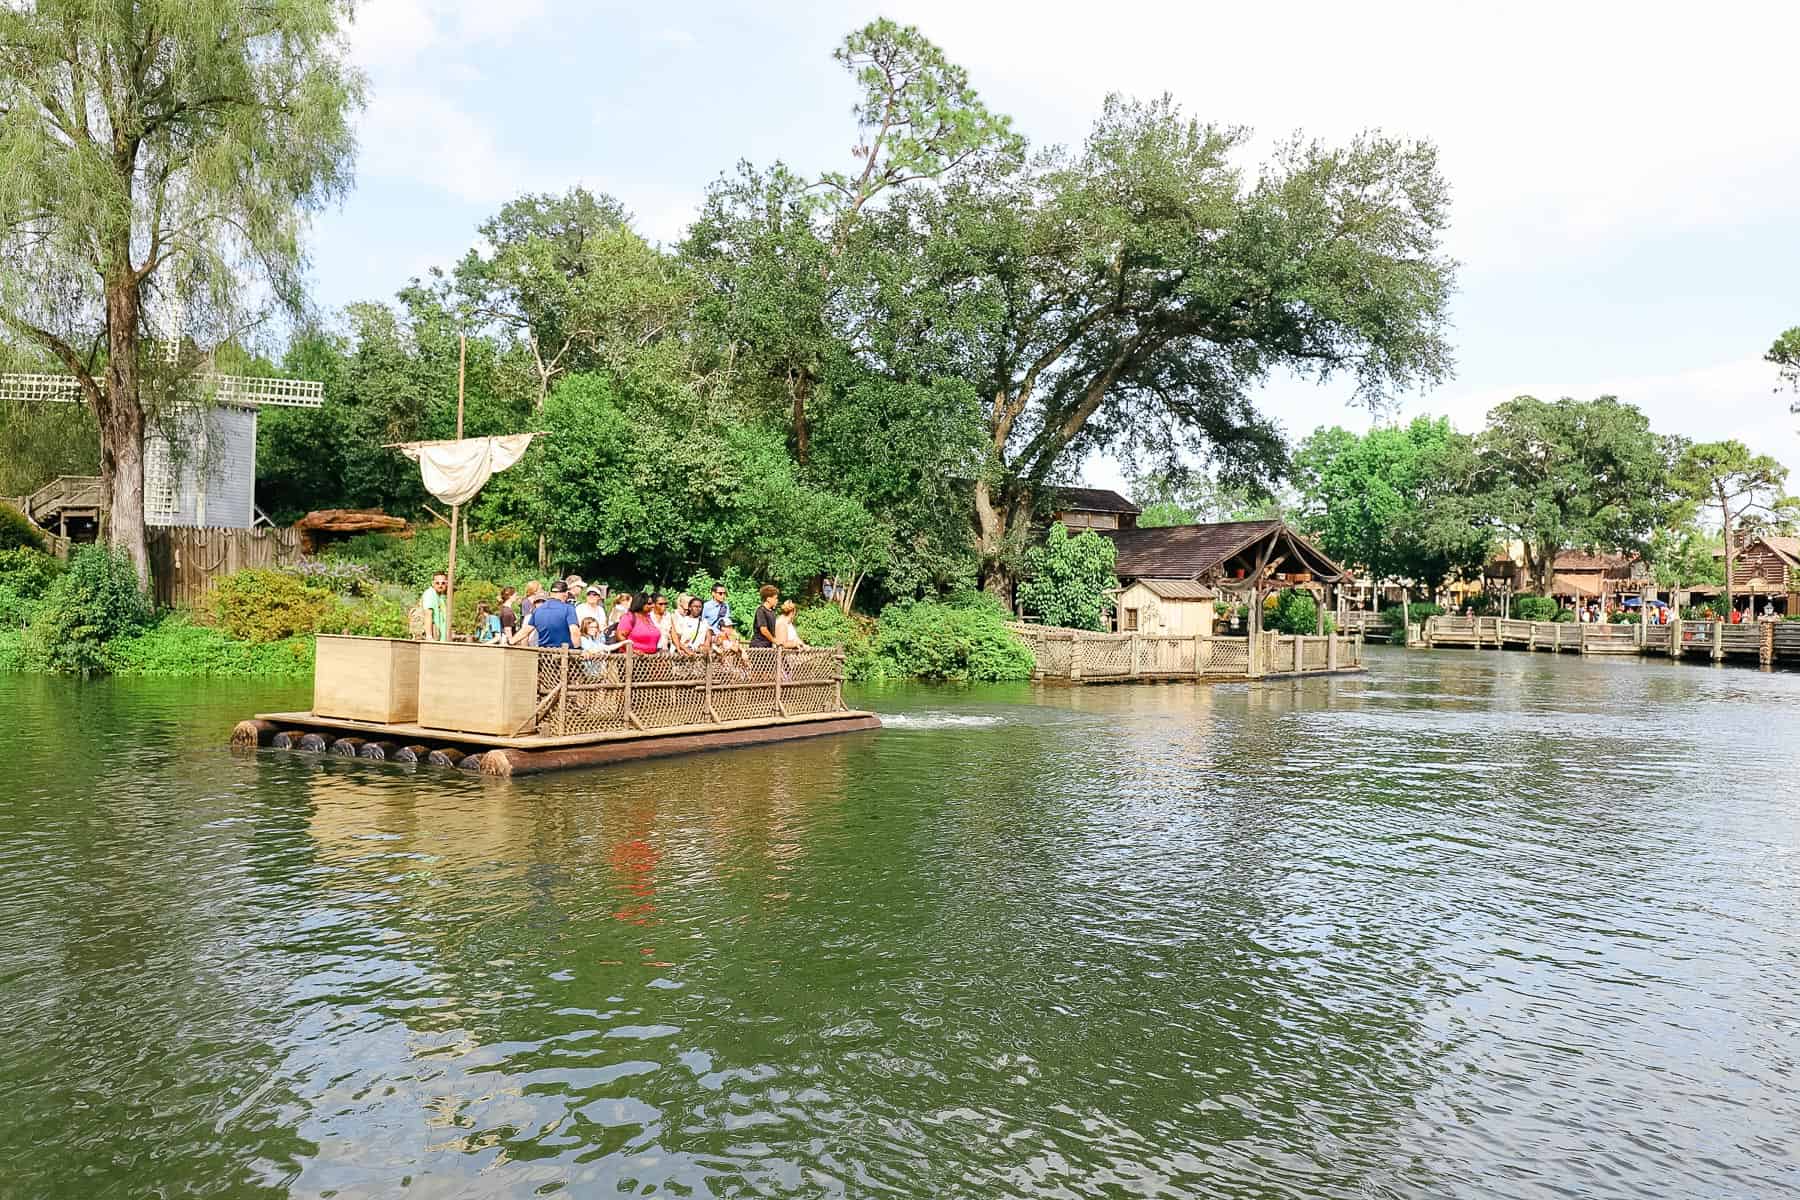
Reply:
x=17, y=532
x=1418, y=612
x=160, y=149
x=1294, y=611
x=25, y=578
x=1573, y=473
x=1174, y=495
x=829, y=625
x=1399, y=502
x=94, y=601
x=1683, y=556
x=342, y=577
x=1534, y=608
x=651, y=482
x=1069, y=581
x=960, y=639
x=375, y=617
x=410, y=560
x=175, y=647
x=264, y=605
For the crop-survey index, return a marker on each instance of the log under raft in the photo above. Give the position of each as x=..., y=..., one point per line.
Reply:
x=506, y=711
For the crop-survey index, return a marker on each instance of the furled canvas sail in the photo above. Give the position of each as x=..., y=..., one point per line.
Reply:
x=455, y=470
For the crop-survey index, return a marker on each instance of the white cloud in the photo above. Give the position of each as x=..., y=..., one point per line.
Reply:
x=419, y=134
x=673, y=38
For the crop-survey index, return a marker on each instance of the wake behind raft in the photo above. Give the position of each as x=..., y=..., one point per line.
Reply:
x=515, y=710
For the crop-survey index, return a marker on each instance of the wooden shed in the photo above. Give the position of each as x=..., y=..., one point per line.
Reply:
x=1768, y=568
x=1243, y=559
x=1166, y=606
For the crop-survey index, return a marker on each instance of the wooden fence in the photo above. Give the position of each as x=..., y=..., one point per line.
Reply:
x=1081, y=656
x=184, y=562
x=1769, y=642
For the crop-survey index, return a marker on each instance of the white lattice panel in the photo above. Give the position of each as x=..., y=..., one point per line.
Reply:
x=226, y=389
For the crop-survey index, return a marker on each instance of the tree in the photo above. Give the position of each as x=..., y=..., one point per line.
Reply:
x=1188, y=497
x=1727, y=477
x=772, y=243
x=1570, y=473
x=574, y=283
x=1069, y=581
x=1398, y=501
x=1128, y=297
x=159, y=149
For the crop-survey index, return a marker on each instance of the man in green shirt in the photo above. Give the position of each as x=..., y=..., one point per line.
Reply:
x=433, y=604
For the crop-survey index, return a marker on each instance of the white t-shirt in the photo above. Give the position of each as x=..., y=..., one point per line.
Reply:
x=591, y=609
x=690, y=629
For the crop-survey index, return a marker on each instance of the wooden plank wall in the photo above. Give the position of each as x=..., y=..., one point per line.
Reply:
x=185, y=561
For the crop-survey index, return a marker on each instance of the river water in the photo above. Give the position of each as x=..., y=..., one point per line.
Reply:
x=1488, y=925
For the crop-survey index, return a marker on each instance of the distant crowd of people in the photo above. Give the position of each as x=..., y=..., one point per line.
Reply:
x=581, y=616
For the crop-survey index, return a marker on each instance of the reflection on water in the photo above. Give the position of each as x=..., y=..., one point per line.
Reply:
x=1475, y=924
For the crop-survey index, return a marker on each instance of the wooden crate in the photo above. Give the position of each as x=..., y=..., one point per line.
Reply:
x=366, y=679
x=472, y=688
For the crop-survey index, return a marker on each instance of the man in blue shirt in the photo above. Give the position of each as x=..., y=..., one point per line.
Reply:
x=555, y=619
x=716, y=612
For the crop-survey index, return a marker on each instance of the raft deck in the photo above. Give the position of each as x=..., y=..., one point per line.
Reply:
x=513, y=711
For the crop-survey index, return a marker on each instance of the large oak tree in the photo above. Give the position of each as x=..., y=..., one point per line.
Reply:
x=160, y=153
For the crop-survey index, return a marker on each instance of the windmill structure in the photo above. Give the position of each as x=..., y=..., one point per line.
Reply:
x=207, y=481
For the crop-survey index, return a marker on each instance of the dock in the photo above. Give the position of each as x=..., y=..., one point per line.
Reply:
x=509, y=711
x=1767, y=643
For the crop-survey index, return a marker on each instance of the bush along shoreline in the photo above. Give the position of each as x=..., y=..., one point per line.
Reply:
x=88, y=617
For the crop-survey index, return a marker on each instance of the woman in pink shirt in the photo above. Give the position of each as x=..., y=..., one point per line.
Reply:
x=639, y=628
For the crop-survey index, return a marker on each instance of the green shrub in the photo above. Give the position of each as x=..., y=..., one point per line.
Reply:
x=1565, y=615
x=261, y=605
x=1294, y=611
x=17, y=531
x=829, y=625
x=29, y=570
x=341, y=576
x=964, y=638
x=374, y=617
x=175, y=647
x=1534, y=608
x=1069, y=580
x=12, y=651
x=96, y=600
x=1418, y=612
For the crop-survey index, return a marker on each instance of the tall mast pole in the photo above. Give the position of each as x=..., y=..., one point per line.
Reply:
x=462, y=359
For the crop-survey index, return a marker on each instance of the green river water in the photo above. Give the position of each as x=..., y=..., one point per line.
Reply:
x=1484, y=925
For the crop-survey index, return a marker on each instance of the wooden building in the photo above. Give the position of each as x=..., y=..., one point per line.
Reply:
x=1166, y=606
x=1578, y=577
x=1079, y=508
x=1767, y=569
x=1173, y=565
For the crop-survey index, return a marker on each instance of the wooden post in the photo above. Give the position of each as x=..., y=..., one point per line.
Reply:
x=1718, y=641
x=1137, y=654
x=780, y=708
x=562, y=694
x=840, y=678
x=712, y=713
x=1201, y=657
x=1675, y=637
x=1556, y=638
x=1331, y=652
x=1299, y=653
x=631, y=718
x=1074, y=657
x=1765, y=653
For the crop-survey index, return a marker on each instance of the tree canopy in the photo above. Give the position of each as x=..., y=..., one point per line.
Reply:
x=1574, y=473
x=1745, y=489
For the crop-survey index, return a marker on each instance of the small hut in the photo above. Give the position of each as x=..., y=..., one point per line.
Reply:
x=1166, y=606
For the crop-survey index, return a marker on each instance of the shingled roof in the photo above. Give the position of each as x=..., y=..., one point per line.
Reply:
x=1087, y=499
x=1197, y=551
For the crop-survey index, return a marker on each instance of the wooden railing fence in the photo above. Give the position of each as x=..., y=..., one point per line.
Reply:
x=1083, y=656
x=603, y=693
x=1769, y=642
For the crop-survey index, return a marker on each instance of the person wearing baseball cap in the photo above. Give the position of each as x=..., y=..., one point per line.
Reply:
x=555, y=619
x=591, y=605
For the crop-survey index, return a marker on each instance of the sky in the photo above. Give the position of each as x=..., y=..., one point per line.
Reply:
x=1625, y=177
